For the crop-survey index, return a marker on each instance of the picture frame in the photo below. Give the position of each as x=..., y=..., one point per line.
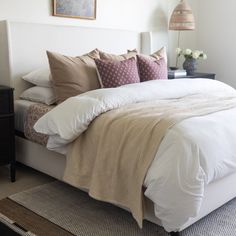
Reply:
x=81, y=9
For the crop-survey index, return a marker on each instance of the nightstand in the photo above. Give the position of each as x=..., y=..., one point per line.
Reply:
x=197, y=75
x=7, y=132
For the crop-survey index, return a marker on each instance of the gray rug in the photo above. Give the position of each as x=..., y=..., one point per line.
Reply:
x=79, y=214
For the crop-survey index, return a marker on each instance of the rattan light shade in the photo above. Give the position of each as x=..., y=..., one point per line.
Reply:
x=182, y=17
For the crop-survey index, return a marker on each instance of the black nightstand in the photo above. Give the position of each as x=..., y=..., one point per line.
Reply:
x=7, y=135
x=197, y=75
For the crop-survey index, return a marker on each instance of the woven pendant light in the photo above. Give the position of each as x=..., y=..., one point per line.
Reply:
x=182, y=17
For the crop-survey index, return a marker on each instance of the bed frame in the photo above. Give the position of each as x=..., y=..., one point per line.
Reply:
x=23, y=47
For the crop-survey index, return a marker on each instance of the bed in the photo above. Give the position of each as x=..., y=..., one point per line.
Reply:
x=18, y=42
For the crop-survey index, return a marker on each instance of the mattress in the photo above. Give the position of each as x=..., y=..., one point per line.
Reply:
x=21, y=109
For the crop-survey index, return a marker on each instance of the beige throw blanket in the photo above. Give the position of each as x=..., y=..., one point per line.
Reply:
x=112, y=157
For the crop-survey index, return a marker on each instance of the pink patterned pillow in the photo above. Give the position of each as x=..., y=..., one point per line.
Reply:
x=117, y=73
x=150, y=69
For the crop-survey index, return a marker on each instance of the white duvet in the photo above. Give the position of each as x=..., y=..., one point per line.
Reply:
x=193, y=153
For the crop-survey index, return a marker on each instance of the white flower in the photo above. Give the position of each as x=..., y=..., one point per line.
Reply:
x=204, y=57
x=188, y=51
x=178, y=51
x=196, y=54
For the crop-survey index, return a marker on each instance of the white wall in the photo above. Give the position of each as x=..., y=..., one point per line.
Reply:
x=216, y=35
x=137, y=15
x=125, y=14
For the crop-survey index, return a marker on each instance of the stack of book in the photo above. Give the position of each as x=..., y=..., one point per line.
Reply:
x=176, y=73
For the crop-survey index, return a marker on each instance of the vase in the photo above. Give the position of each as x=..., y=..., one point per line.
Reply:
x=190, y=65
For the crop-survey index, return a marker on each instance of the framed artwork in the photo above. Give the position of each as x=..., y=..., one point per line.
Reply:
x=83, y=9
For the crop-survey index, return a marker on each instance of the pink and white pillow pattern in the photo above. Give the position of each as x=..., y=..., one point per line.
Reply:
x=116, y=73
x=151, y=69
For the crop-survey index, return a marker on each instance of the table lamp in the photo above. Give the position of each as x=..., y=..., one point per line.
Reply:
x=182, y=19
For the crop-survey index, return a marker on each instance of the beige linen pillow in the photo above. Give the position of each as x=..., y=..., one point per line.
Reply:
x=109, y=56
x=161, y=53
x=72, y=76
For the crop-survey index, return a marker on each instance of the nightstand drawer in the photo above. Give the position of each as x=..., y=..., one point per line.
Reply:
x=6, y=127
x=6, y=101
x=5, y=150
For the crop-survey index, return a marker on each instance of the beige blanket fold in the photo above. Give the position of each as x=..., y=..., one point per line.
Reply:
x=112, y=157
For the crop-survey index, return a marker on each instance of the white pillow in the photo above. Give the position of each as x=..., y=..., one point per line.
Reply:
x=40, y=77
x=39, y=94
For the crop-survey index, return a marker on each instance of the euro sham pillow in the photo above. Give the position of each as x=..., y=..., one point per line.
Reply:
x=115, y=73
x=40, y=77
x=72, y=76
x=39, y=94
x=150, y=69
x=109, y=56
x=161, y=53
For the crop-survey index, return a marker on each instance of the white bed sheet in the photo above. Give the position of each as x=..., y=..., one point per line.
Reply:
x=21, y=108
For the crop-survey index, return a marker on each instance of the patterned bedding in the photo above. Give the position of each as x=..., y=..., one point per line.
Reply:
x=34, y=112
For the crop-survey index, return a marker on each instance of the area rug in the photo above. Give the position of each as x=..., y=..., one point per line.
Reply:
x=58, y=209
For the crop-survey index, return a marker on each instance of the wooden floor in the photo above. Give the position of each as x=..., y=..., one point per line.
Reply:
x=26, y=178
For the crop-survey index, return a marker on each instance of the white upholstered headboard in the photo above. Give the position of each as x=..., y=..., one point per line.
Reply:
x=23, y=46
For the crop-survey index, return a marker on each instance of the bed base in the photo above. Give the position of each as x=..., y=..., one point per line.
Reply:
x=53, y=164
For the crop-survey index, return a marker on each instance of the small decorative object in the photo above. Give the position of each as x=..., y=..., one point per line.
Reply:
x=83, y=9
x=176, y=73
x=191, y=57
x=190, y=65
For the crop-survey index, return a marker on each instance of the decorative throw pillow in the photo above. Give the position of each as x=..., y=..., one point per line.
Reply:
x=72, y=76
x=40, y=77
x=161, y=53
x=151, y=69
x=39, y=94
x=108, y=56
x=116, y=73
